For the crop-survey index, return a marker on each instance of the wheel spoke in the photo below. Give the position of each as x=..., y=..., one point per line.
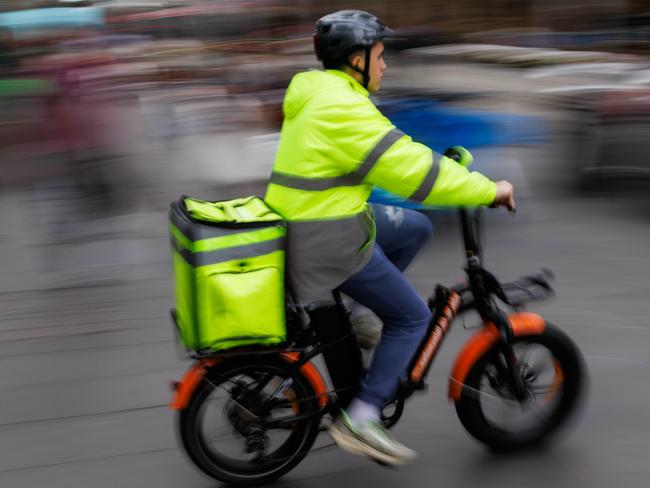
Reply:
x=230, y=397
x=539, y=366
x=541, y=389
x=479, y=393
x=498, y=399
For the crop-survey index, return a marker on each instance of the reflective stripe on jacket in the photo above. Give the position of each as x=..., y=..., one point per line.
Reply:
x=335, y=146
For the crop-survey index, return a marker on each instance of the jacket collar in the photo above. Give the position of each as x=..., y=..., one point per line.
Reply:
x=356, y=86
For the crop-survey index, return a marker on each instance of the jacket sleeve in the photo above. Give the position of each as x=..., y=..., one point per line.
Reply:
x=414, y=171
x=393, y=161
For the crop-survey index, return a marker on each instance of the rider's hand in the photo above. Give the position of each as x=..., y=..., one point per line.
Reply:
x=505, y=195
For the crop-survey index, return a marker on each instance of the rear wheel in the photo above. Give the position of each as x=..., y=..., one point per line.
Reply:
x=232, y=430
x=553, y=375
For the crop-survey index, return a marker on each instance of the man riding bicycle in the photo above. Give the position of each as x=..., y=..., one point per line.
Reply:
x=335, y=146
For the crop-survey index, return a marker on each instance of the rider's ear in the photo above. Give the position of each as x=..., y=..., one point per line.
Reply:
x=357, y=59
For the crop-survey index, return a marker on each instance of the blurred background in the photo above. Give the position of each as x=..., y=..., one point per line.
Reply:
x=111, y=109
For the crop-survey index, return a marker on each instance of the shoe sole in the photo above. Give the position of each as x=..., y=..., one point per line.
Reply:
x=354, y=446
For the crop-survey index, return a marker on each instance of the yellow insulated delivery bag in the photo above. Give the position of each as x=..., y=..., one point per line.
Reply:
x=228, y=262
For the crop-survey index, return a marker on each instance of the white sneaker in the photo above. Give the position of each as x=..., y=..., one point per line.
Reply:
x=370, y=439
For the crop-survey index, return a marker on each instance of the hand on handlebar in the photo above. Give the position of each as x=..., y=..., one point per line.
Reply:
x=505, y=192
x=505, y=196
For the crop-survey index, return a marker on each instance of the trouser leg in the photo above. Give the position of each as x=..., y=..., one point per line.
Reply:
x=382, y=288
x=401, y=233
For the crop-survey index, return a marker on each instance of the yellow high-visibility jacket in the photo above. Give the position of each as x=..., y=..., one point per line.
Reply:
x=335, y=146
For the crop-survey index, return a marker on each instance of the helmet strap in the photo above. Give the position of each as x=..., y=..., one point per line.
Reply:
x=365, y=72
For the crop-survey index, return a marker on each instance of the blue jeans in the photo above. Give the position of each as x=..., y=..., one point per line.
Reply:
x=381, y=287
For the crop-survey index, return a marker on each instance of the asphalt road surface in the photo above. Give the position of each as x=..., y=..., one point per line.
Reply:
x=85, y=368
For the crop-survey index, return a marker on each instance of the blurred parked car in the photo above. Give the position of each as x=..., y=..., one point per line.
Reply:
x=609, y=106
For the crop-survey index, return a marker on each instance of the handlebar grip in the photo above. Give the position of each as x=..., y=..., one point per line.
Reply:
x=459, y=154
x=452, y=153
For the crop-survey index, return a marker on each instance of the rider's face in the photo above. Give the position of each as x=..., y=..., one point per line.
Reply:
x=377, y=65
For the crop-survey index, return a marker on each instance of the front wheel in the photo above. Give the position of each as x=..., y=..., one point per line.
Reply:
x=250, y=421
x=553, y=375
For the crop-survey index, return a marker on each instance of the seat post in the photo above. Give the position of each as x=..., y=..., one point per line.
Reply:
x=341, y=353
x=338, y=299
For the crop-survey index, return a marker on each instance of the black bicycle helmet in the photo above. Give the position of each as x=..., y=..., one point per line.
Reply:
x=339, y=34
